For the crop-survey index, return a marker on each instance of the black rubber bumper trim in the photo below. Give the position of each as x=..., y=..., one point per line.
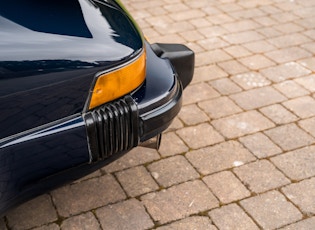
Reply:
x=112, y=128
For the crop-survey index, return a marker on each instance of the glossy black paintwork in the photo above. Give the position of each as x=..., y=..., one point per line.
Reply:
x=50, y=53
x=26, y=161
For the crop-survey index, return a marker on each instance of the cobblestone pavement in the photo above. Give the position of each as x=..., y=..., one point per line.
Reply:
x=241, y=153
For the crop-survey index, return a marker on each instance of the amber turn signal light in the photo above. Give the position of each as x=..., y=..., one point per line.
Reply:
x=112, y=85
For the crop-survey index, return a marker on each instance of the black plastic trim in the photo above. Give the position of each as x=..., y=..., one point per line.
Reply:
x=181, y=57
x=112, y=128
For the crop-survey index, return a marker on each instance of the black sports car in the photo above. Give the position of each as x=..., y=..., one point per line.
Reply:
x=79, y=87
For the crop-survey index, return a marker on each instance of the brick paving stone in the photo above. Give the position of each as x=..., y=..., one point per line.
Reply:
x=159, y=23
x=210, y=9
x=260, y=145
x=307, y=23
x=261, y=176
x=226, y=187
x=287, y=6
x=289, y=137
x=213, y=31
x=291, y=89
x=175, y=125
x=229, y=7
x=248, y=13
x=304, y=12
x=288, y=54
x=149, y=32
x=232, y=67
x=33, y=213
x=265, y=21
x=171, y=145
x=211, y=57
x=304, y=107
x=307, y=82
x=172, y=170
x=200, y=22
x=192, y=36
x=269, y=32
x=135, y=157
x=89, y=176
x=285, y=71
x=242, y=25
x=298, y=164
x=225, y=86
x=200, y=136
x=187, y=15
x=86, y=220
x=48, y=227
x=129, y=214
x=308, y=63
x=156, y=11
x=87, y=195
x=289, y=40
x=232, y=217
x=309, y=47
x=271, y=210
x=288, y=28
x=219, y=107
x=195, y=47
x=256, y=62
x=242, y=37
x=302, y=194
x=192, y=115
x=145, y=5
x=258, y=97
x=242, y=124
x=175, y=38
x=267, y=8
x=219, y=157
x=237, y=51
x=308, y=125
x=250, y=80
x=285, y=17
x=303, y=224
x=212, y=43
x=136, y=181
x=175, y=27
x=174, y=7
x=259, y=46
x=278, y=114
x=193, y=222
x=219, y=19
x=198, y=92
x=207, y=73
x=200, y=4
x=179, y=201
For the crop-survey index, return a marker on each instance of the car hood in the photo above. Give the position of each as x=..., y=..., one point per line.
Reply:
x=58, y=34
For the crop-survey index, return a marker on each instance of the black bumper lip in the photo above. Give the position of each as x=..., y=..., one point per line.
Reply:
x=157, y=120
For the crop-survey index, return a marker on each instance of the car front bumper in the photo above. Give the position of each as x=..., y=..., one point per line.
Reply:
x=125, y=123
x=44, y=158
